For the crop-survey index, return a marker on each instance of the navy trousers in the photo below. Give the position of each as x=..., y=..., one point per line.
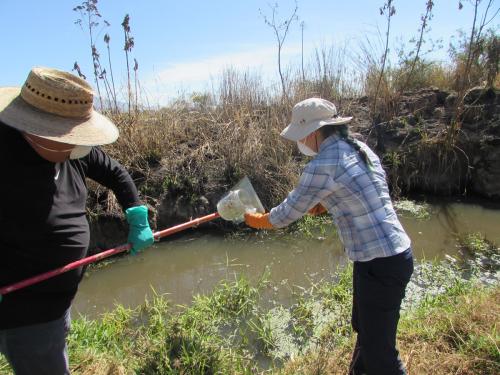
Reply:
x=37, y=349
x=379, y=287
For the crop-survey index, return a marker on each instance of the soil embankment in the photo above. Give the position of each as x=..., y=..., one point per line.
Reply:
x=422, y=148
x=424, y=151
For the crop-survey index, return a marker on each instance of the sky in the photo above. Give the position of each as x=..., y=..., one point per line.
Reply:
x=183, y=46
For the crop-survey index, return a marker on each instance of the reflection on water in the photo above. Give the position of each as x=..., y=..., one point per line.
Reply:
x=435, y=237
x=195, y=263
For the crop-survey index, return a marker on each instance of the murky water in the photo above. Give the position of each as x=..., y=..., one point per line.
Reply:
x=196, y=262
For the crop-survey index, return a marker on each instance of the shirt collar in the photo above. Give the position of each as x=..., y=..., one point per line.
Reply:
x=329, y=141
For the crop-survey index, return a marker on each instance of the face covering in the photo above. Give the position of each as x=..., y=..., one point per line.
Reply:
x=306, y=150
x=79, y=152
x=32, y=141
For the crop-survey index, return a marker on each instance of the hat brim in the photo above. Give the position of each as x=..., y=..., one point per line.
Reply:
x=296, y=132
x=92, y=131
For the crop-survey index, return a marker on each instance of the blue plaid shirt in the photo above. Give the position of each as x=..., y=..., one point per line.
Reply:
x=357, y=199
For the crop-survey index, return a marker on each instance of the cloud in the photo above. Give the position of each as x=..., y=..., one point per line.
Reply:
x=187, y=76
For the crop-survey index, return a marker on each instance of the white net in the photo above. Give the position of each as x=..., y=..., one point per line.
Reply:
x=234, y=205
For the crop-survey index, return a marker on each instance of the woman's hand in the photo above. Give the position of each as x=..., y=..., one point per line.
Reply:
x=319, y=209
x=258, y=221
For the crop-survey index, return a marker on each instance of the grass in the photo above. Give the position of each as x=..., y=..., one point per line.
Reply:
x=461, y=329
x=448, y=326
x=319, y=226
x=187, y=154
x=201, y=338
x=449, y=334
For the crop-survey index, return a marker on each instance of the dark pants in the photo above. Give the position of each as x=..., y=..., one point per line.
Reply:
x=37, y=349
x=379, y=286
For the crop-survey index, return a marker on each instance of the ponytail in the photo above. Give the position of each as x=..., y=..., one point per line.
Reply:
x=343, y=132
x=362, y=153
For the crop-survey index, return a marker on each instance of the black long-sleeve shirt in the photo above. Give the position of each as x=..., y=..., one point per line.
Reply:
x=43, y=224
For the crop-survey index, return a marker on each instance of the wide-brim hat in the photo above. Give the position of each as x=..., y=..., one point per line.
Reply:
x=56, y=105
x=310, y=115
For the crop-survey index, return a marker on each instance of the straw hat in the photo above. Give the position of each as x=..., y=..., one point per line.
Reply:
x=310, y=115
x=56, y=105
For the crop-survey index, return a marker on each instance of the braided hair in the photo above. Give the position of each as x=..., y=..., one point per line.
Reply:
x=343, y=132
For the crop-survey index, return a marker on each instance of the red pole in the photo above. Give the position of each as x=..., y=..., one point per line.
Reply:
x=91, y=259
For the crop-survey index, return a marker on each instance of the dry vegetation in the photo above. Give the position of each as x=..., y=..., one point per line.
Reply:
x=205, y=151
x=201, y=145
x=458, y=336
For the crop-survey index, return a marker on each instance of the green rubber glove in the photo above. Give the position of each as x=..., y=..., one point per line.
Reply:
x=140, y=235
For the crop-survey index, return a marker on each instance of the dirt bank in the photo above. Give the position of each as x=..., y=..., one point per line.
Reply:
x=205, y=151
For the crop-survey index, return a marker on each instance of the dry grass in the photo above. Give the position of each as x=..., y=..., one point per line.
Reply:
x=458, y=337
x=190, y=151
x=460, y=340
x=202, y=146
x=97, y=367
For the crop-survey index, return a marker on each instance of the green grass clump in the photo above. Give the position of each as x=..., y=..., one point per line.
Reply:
x=204, y=338
x=310, y=226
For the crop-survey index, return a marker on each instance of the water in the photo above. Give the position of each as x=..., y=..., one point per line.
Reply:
x=196, y=262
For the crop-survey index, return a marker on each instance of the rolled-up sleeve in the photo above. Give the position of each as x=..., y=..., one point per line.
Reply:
x=312, y=187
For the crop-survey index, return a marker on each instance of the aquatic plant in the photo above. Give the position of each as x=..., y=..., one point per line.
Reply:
x=481, y=256
x=420, y=211
x=318, y=227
